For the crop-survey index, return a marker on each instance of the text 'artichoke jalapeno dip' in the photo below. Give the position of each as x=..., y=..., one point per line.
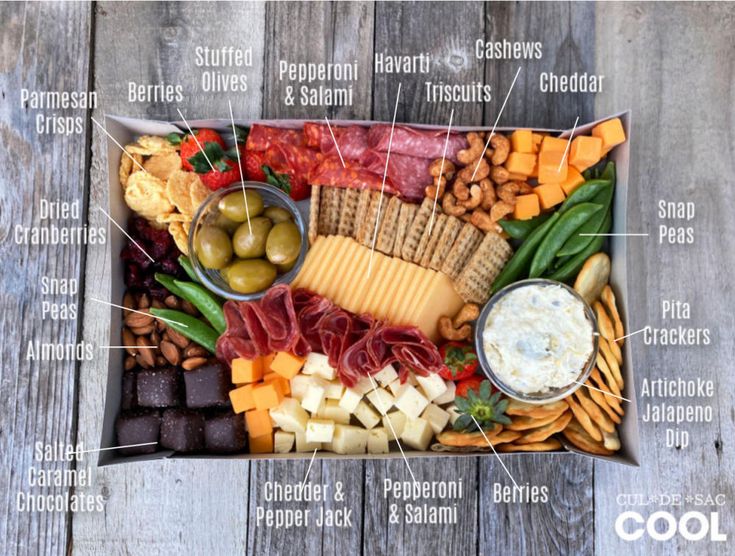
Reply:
x=538, y=338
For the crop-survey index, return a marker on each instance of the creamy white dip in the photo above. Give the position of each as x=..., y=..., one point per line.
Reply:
x=537, y=338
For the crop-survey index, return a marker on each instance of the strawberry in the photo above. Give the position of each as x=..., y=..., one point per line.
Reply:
x=189, y=147
x=214, y=156
x=479, y=406
x=460, y=361
x=252, y=164
x=298, y=189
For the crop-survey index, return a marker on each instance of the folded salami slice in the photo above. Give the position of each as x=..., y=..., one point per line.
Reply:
x=334, y=331
x=352, y=140
x=278, y=318
x=408, y=174
x=420, y=143
x=262, y=137
x=330, y=173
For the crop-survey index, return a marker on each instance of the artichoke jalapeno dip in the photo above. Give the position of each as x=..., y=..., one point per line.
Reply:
x=537, y=338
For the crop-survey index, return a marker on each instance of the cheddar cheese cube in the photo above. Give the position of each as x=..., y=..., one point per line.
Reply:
x=516, y=177
x=282, y=383
x=611, y=133
x=262, y=444
x=549, y=195
x=536, y=139
x=267, y=395
x=267, y=360
x=550, y=167
x=553, y=144
x=573, y=181
x=242, y=398
x=527, y=206
x=521, y=141
x=286, y=364
x=520, y=163
x=585, y=152
x=246, y=370
x=258, y=422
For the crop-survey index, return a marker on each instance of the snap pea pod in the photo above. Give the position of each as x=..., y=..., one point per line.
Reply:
x=518, y=264
x=207, y=304
x=588, y=174
x=585, y=192
x=192, y=328
x=185, y=263
x=520, y=229
x=167, y=282
x=559, y=234
x=574, y=265
x=609, y=173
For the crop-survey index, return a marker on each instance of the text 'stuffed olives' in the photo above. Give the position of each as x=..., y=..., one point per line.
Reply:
x=283, y=244
x=251, y=276
x=213, y=247
x=233, y=206
x=249, y=245
x=277, y=214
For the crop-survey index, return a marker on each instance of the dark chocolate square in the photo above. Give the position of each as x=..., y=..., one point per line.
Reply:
x=182, y=430
x=207, y=386
x=138, y=427
x=129, y=396
x=225, y=432
x=158, y=387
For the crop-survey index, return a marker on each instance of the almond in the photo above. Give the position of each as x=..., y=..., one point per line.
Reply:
x=155, y=338
x=189, y=308
x=193, y=363
x=143, y=330
x=129, y=362
x=157, y=304
x=129, y=301
x=171, y=302
x=178, y=338
x=170, y=352
x=142, y=362
x=147, y=356
x=160, y=361
x=128, y=339
x=195, y=350
x=144, y=301
x=136, y=320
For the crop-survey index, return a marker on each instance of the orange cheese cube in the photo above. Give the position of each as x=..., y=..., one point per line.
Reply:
x=534, y=172
x=287, y=365
x=536, y=139
x=258, y=422
x=246, y=370
x=267, y=395
x=553, y=144
x=521, y=141
x=585, y=152
x=242, y=398
x=267, y=360
x=517, y=177
x=527, y=206
x=573, y=181
x=549, y=195
x=262, y=444
x=281, y=382
x=520, y=163
x=611, y=132
x=550, y=167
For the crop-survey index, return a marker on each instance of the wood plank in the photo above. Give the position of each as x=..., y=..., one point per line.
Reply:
x=444, y=31
x=567, y=31
x=313, y=32
x=37, y=53
x=191, y=506
x=681, y=96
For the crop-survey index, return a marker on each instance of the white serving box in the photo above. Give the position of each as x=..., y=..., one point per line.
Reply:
x=125, y=130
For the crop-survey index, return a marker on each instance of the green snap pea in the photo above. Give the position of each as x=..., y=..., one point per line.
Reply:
x=588, y=174
x=185, y=263
x=518, y=264
x=168, y=282
x=520, y=229
x=572, y=267
x=207, y=304
x=585, y=192
x=609, y=173
x=559, y=234
x=192, y=328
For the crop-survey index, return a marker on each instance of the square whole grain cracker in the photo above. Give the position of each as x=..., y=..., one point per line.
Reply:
x=373, y=218
x=363, y=205
x=329, y=207
x=474, y=282
x=467, y=242
x=417, y=230
x=405, y=219
x=389, y=226
x=449, y=235
x=347, y=217
x=313, y=231
x=440, y=221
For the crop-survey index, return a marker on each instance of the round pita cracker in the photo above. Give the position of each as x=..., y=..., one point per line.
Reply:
x=542, y=433
x=593, y=276
x=546, y=446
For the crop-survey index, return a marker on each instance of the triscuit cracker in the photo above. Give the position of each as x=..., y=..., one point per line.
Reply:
x=405, y=219
x=329, y=207
x=363, y=204
x=347, y=217
x=314, y=213
x=373, y=218
x=162, y=165
x=449, y=235
x=542, y=433
x=577, y=435
x=417, y=230
x=608, y=299
x=592, y=277
x=474, y=282
x=428, y=240
x=389, y=226
x=180, y=235
x=467, y=242
x=547, y=445
x=584, y=419
x=146, y=195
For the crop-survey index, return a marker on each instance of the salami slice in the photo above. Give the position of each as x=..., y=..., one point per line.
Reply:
x=334, y=331
x=408, y=174
x=262, y=137
x=420, y=143
x=331, y=173
x=279, y=318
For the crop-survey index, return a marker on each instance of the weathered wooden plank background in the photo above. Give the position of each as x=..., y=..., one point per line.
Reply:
x=669, y=63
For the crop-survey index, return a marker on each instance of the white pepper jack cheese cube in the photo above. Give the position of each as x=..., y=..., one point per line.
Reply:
x=386, y=375
x=433, y=386
x=350, y=399
x=334, y=390
x=313, y=398
x=417, y=434
x=302, y=445
x=412, y=379
x=318, y=364
x=410, y=401
x=436, y=416
x=289, y=415
x=299, y=385
x=349, y=440
x=453, y=413
x=366, y=415
x=394, y=421
x=381, y=400
x=395, y=387
x=448, y=395
x=332, y=410
x=363, y=386
x=319, y=430
x=377, y=441
x=283, y=442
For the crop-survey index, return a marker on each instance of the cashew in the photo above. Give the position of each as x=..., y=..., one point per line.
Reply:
x=499, y=174
x=475, y=199
x=466, y=156
x=447, y=170
x=460, y=190
x=468, y=313
x=480, y=219
x=510, y=190
x=488, y=194
x=466, y=173
x=448, y=332
x=450, y=207
x=466, y=217
x=499, y=210
x=431, y=193
x=501, y=144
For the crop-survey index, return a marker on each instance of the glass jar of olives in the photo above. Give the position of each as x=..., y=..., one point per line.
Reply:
x=245, y=238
